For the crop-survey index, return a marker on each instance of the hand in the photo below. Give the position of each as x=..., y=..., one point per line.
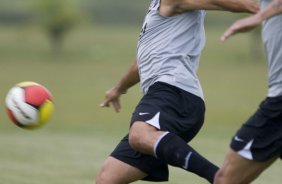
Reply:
x=242, y=25
x=252, y=6
x=112, y=97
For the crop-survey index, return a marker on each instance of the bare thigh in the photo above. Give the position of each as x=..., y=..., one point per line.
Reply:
x=238, y=170
x=114, y=171
x=143, y=137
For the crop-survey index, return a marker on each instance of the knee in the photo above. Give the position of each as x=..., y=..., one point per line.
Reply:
x=135, y=139
x=223, y=177
x=102, y=177
x=218, y=179
x=141, y=137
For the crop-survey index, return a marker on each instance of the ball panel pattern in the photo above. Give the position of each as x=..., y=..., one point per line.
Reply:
x=29, y=105
x=45, y=112
x=22, y=112
x=27, y=83
x=36, y=95
x=12, y=117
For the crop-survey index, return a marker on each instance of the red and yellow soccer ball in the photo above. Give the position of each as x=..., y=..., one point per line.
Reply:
x=29, y=105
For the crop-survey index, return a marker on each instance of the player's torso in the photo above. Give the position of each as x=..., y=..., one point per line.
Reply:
x=169, y=48
x=272, y=38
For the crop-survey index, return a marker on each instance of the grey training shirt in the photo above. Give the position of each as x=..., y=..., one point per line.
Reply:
x=272, y=39
x=169, y=49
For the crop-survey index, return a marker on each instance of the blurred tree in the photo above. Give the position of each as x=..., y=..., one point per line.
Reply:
x=125, y=12
x=57, y=17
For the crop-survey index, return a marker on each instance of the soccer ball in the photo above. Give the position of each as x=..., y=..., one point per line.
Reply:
x=29, y=105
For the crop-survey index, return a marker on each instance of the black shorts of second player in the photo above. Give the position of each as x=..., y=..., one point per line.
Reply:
x=174, y=110
x=171, y=109
x=260, y=138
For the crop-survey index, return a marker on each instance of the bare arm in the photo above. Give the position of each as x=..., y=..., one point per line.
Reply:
x=128, y=80
x=174, y=7
x=249, y=23
x=274, y=8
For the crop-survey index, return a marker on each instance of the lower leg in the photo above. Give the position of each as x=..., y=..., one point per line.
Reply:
x=176, y=152
x=114, y=171
x=171, y=148
x=238, y=170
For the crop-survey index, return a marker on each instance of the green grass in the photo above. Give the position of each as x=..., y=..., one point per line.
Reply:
x=72, y=146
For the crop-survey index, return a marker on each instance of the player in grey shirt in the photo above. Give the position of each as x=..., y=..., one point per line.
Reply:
x=171, y=112
x=258, y=143
x=272, y=39
x=171, y=56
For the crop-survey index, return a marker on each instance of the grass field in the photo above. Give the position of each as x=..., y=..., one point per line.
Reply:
x=72, y=146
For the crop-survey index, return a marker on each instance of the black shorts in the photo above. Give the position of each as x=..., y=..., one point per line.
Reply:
x=260, y=138
x=168, y=108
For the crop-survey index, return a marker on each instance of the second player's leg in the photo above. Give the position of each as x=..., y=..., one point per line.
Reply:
x=238, y=170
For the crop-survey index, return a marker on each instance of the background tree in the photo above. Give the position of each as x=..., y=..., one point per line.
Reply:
x=57, y=17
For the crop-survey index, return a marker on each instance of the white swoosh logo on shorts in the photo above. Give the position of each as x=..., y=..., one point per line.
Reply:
x=143, y=113
x=236, y=138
